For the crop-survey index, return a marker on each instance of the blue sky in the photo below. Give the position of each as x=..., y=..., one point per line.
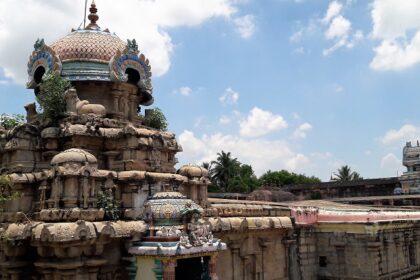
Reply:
x=305, y=85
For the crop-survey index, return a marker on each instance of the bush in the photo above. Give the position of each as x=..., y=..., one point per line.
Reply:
x=107, y=203
x=6, y=192
x=11, y=121
x=51, y=97
x=155, y=118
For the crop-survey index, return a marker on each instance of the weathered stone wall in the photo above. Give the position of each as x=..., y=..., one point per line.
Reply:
x=254, y=255
x=390, y=253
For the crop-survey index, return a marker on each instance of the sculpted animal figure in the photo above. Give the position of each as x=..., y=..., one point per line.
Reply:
x=31, y=113
x=76, y=106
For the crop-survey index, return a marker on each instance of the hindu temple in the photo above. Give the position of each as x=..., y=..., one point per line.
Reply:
x=101, y=197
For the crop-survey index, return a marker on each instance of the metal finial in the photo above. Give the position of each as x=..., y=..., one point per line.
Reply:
x=93, y=17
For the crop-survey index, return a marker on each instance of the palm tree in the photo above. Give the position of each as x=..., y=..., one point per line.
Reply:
x=223, y=169
x=344, y=173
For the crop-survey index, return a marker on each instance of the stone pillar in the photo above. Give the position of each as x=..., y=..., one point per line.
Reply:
x=116, y=96
x=71, y=185
x=212, y=267
x=133, y=109
x=169, y=269
x=234, y=246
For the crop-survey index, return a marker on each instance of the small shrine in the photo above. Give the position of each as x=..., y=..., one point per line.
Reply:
x=178, y=243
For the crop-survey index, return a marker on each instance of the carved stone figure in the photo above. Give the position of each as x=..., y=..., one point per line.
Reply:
x=31, y=113
x=82, y=107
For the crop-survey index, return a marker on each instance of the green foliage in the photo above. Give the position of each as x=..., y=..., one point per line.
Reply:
x=107, y=203
x=284, y=177
x=155, y=118
x=6, y=192
x=11, y=121
x=344, y=174
x=51, y=97
x=227, y=174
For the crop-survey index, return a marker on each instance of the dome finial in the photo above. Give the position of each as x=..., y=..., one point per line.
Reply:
x=93, y=17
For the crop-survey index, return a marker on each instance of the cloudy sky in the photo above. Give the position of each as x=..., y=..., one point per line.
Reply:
x=302, y=85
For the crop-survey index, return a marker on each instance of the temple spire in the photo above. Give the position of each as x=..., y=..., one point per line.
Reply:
x=93, y=17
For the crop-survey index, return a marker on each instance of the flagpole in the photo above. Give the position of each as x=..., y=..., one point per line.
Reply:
x=84, y=18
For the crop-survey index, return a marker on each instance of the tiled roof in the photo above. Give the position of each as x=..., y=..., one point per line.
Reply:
x=88, y=45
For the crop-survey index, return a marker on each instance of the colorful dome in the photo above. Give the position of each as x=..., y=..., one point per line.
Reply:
x=92, y=54
x=88, y=45
x=168, y=208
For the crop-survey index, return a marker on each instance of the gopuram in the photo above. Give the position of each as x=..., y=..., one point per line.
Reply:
x=102, y=157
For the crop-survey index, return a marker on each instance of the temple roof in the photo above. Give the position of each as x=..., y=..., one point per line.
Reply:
x=88, y=45
x=92, y=54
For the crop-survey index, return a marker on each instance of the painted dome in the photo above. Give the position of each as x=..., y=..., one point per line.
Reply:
x=169, y=207
x=88, y=45
x=92, y=54
x=74, y=156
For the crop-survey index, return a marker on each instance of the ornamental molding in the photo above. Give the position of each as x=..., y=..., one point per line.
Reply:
x=42, y=56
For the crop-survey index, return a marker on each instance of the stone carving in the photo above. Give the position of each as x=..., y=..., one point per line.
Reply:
x=132, y=46
x=39, y=44
x=81, y=107
x=200, y=233
x=168, y=232
x=31, y=113
x=45, y=57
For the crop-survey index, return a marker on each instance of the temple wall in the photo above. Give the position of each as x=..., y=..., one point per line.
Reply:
x=253, y=255
x=350, y=252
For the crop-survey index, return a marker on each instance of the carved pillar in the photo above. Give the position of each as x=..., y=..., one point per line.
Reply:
x=116, y=96
x=70, y=192
x=133, y=108
x=212, y=267
x=169, y=269
x=234, y=246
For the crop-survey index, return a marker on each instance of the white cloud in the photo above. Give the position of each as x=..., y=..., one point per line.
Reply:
x=391, y=163
x=245, y=26
x=4, y=82
x=339, y=29
x=260, y=122
x=147, y=21
x=274, y=155
x=185, y=91
x=396, y=24
x=302, y=130
x=229, y=97
x=334, y=9
x=406, y=133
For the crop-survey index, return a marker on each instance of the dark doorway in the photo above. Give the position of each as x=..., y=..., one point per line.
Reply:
x=133, y=76
x=192, y=269
x=39, y=73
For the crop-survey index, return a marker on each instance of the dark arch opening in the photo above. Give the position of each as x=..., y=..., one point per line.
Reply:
x=133, y=76
x=39, y=73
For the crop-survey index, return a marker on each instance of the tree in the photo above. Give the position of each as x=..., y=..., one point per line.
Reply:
x=11, y=121
x=51, y=97
x=284, y=177
x=344, y=174
x=227, y=174
x=224, y=168
x=155, y=118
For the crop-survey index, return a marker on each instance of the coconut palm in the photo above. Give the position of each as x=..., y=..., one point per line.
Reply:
x=344, y=173
x=223, y=169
